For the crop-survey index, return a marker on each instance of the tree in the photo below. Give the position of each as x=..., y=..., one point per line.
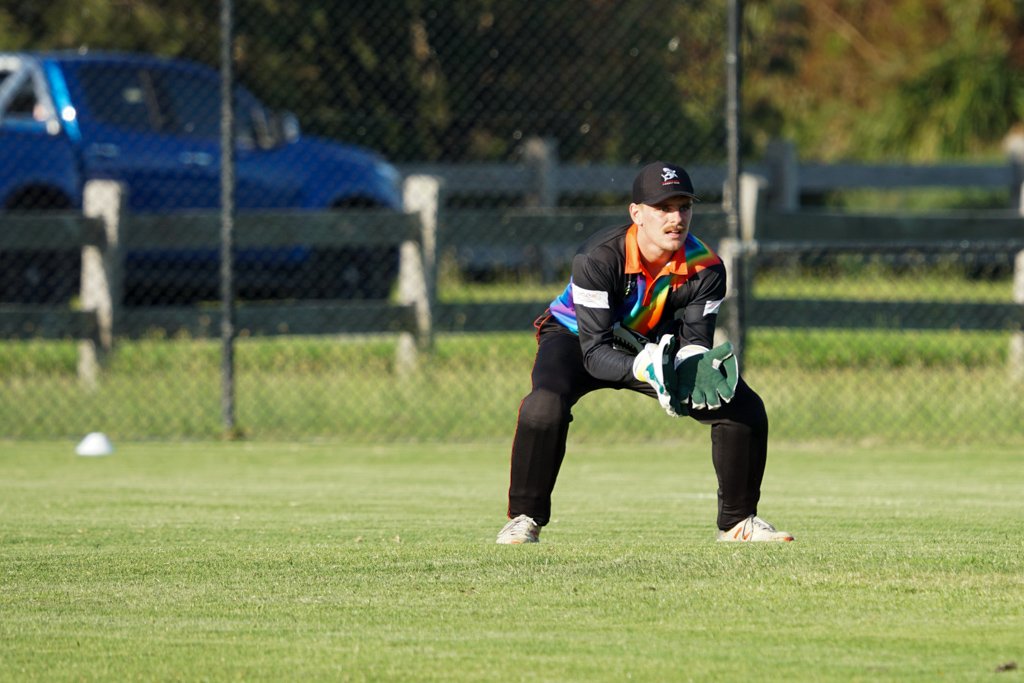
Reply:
x=609, y=80
x=918, y=79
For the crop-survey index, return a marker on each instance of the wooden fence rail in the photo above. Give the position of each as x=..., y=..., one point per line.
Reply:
x=541, y=179
x=427, y=229
x=105, y=232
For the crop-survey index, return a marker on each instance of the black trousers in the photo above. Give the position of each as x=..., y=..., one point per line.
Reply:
x=739, y=433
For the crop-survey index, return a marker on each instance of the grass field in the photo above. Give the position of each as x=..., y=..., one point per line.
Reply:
x=937, y=387
x=933, y=388
x=278, y=561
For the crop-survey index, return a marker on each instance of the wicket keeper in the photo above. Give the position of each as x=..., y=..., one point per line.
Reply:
x=639, y=313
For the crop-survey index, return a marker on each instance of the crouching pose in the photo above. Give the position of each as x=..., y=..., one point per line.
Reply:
x=639, y=313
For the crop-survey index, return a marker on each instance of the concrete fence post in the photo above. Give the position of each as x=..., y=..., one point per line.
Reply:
x=736, y=253
x=783, y=175
x=730, y=250
x=417, y=279
x=1017, y=338
x=751, y=194
x=541, y=156
x=101, y=282
x=1013, y=145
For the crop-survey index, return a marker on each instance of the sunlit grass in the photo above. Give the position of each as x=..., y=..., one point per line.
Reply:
x=906, y=386
x=283, y=561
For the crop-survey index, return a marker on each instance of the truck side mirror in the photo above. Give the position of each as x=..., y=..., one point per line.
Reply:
x=288, y=127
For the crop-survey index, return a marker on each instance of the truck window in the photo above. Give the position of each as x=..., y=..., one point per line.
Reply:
x=20, y=102
x=191, y=104
x=120, y=96
x=24, y=102
x=247, y=111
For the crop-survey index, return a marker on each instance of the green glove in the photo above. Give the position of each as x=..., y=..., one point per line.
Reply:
x=706, y=378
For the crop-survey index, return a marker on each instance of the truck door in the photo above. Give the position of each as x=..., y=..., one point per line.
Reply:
x=127, y=136
x=190, y=100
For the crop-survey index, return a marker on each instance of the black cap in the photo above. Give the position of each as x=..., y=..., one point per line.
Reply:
x=658, y=181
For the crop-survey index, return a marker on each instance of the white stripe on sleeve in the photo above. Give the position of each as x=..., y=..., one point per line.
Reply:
x=591, y=298
x=711, y=307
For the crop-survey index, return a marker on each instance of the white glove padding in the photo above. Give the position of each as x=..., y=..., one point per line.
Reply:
x=689, y=351
x=683, y=378
x=654, y=365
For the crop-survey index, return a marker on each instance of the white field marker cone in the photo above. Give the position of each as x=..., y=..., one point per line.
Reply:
x=95, y=444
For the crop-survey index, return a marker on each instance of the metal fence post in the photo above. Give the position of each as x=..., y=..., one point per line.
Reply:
x=227, y=218
x=733, y=246
x=101, y=280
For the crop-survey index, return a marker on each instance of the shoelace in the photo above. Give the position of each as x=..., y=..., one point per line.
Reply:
x=761, y=524
x=519, y=525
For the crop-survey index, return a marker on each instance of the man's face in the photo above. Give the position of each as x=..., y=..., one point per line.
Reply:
x=663, y=226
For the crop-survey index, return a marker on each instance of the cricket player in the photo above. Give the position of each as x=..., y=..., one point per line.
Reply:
x=639, y=313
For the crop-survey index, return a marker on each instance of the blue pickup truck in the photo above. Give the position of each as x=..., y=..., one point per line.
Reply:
x=154, y=124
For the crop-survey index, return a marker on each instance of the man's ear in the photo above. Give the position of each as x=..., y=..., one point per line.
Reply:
x=634, y=213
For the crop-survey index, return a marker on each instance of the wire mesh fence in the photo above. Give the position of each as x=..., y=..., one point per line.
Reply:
x=539, y=120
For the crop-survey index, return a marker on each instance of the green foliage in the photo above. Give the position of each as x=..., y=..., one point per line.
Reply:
x=174, y=27
x=425, y=80
x=964, y=96
x=280, y=561
x=471, y=80
x=912, y=79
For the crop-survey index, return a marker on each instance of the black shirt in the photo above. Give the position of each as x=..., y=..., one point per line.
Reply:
x=609, y=287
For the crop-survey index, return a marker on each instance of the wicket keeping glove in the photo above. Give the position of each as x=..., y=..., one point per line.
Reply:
x=707, y=377
x=654, y=365
x=625, y=339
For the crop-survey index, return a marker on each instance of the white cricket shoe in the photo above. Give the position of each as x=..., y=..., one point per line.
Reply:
x=522, y=529
x=754, y=529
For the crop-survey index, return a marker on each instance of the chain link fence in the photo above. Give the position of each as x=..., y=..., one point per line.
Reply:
x=532, y=116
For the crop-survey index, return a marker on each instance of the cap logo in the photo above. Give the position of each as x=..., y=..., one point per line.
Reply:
x=668, y=174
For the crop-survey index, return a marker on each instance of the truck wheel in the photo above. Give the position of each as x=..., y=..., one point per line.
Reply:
x=352, y=273
x=39, y=277
x=50, y=276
